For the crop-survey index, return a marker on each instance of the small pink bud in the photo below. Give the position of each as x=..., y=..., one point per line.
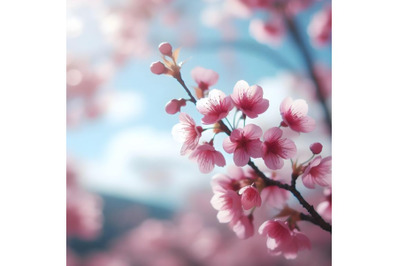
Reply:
x=250, y=197
x=165, y=48
x=158, y=68
x=316, y=148
x=174, y=106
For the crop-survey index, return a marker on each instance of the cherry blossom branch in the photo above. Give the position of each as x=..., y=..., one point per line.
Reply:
x=315, y=217
x=294, y=31
x=178, y=77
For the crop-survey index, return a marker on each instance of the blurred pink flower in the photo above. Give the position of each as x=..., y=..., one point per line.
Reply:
x=228, y=205
x=325, y=207
x=270, y=32
x=324, y=78
x=256, y=3
x=250, y=197
x=84, y=214
x=249, y=99
x=215, y=107
x=174, y=106
x=282, y=240
x=289, y=7
x=294, y=115
x=320, y=27
x=273, y=195
x=207, y=157
x=275, y=148
x=243, y=227
x=204, y=78
x=221, y=182
x=187, y=131
x=244, y=143
x=318, y=171
x=105, y=259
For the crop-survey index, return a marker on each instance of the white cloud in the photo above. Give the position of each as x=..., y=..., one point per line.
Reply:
x=144, y=164
x=124, y=105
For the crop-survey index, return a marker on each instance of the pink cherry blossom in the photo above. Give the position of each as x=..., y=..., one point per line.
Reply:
x=207, y=157
x=250, y=197
x=215, y=107
x=318, y=172
x=174, y=106
x=275, y=148
x=271, y=32
x=228, y=205
x=294, y=115
x=84, y=214
x=273, y=195
x=320, y=27
x=282, y=240
x=222, y=182
x=204, y=77
x=316, y=148
x=187, y=132
x=325, y=207
x=243, y=227
x=244, y=143
x=165, y=48
x=256, y=3
x=249, y=99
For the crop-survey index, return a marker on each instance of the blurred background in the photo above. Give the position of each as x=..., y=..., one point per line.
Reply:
x=131, y=198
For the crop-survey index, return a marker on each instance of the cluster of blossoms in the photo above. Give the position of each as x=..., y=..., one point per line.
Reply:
x=239, y=194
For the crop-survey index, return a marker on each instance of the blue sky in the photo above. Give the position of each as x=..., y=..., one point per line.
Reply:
x=150, y=93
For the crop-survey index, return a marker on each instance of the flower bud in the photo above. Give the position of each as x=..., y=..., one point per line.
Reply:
x=158, y=68
x=174, y=106
x=165, y=48
x=316, y=148
x=250, y=197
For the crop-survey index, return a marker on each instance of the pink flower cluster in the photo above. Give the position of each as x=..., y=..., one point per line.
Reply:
x=238, y=194
x=282, y=240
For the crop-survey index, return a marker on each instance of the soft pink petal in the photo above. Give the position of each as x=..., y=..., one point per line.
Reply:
x=308, y=181
x=254, y=148
x=207, y=76
x=216, y=95
x=303, y=241
x=273, y=134
x=260, y=107
x=289, y=149
x=252, y=131
x=205, y=164
x=241, y=157
x=219, y=159
x=240, y=87
x=236, y=135
x=228, y=145
x=273, y=161
x=285, y=105
x=210, y=119
x=202, y=105
x=224, y=216
x=299, y=107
